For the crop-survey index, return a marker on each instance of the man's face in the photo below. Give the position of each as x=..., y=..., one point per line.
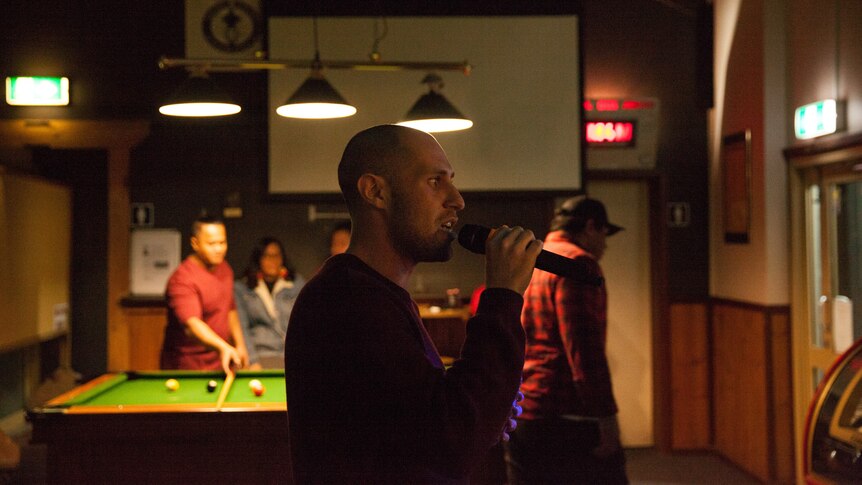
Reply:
x=425, y=202
x=210, y=244
x=596, y=239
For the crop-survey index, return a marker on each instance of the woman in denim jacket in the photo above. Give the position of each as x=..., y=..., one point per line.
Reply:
x=264, y=299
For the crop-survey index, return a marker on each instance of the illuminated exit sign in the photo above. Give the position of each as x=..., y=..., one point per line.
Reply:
x=610, y=133
x=37, y=91
x=817, y=119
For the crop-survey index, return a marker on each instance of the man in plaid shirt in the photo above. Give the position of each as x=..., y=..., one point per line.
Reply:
x=568, y=432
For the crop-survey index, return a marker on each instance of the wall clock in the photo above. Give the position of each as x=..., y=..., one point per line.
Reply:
x=232, y=25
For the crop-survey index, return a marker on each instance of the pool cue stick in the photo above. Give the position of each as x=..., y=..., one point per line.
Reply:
x=225, y=389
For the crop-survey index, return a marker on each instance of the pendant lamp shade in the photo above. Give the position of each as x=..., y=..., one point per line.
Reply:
x=433, y=113
x=198, y=96
x=316, y=99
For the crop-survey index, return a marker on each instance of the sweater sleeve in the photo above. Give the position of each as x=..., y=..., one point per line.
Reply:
x=460, y=412
x=183, y=297
x=489, y=369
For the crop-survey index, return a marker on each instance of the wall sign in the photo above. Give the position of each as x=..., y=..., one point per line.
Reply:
x=37, y=91
x=621, y=133
x=817, y=119
x=678, y=214
x=610, y=133
x=143, y=214
x=736, y=186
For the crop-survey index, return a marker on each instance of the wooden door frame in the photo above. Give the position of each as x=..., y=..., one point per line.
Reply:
x=660, y=319
x=801, y=160
x=117, y=137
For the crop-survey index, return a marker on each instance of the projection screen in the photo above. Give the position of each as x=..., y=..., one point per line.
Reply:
x=524, y=96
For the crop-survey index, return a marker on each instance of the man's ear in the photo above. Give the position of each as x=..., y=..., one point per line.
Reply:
x=374, y=190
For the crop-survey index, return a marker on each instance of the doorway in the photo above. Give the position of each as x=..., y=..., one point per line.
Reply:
x=833, y=227
x=628, y=273
x=826, y=196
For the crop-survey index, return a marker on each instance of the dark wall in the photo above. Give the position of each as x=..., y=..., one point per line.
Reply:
x=86, y=173
x=659, y=49
x=110, y=50
x=214, y=160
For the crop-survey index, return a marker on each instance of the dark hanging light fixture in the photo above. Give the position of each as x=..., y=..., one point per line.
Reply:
x=316, y=98
x=198, y=96
x=433, y=113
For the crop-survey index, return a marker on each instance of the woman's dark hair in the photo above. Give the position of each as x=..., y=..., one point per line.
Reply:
x=253, y=267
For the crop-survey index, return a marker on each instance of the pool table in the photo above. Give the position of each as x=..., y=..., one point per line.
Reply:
x=130, y=428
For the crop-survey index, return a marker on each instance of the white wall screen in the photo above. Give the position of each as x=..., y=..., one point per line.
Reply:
x=523, y=96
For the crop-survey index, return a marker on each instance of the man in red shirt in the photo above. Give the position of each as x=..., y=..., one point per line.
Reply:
x=568, y=432
x=203, y=331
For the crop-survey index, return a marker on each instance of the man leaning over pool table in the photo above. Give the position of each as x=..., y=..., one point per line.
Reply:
x=203, y=330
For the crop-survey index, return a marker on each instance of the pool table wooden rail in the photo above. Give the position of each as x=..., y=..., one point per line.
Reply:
x=242, y=442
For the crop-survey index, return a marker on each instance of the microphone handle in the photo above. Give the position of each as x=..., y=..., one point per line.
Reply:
x=473, y=238
x=568, y=267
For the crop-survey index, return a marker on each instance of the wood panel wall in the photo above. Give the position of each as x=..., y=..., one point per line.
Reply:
x=140, y=332
x=752, y=392
x=690, y=376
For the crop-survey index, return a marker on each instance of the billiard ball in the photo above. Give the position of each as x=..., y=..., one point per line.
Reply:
x=211, y=385
x=258, y=391
x=252, y=384
x=172, y=384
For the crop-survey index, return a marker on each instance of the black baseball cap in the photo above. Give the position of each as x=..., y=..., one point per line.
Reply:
x=584, y=208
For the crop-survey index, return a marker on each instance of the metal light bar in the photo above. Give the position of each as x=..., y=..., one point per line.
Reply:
x=233, y=65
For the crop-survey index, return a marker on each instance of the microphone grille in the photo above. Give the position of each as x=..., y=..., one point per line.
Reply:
x=473, y=237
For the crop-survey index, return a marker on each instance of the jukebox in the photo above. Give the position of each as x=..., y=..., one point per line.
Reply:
x=833, y=434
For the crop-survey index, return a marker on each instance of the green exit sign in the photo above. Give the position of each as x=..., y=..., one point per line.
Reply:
x=817, y=119
x=37, y=91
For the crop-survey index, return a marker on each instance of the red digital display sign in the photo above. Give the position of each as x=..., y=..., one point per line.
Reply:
x=610, y=133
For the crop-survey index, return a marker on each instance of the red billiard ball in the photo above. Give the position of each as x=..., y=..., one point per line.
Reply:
x=258, y=390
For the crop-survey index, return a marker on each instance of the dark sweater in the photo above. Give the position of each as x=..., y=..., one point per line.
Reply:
x=368, y=399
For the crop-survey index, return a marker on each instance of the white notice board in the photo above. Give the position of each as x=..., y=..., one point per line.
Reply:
x=155, y=254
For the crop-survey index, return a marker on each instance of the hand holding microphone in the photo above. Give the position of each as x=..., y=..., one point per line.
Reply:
x=511, y=256
x=473, y=237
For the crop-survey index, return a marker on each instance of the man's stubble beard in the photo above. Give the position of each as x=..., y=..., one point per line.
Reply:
x=409, y=242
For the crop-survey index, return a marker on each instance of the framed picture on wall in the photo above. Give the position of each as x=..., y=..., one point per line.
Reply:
x=736, y=186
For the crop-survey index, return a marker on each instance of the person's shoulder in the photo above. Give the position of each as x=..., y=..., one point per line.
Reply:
x=344, y=278
x=298, y=280
x=240, y=286
x=342, y=269
x=561, y=243
x=224, y=270
x=289, y=289
x=182, y=271
x=183, y=281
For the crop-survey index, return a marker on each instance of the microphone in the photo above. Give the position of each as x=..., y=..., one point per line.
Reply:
x=473, y=238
